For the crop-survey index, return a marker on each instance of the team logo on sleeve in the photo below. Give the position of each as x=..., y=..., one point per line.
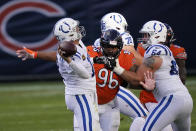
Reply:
x=83, y=57
x=13, y=8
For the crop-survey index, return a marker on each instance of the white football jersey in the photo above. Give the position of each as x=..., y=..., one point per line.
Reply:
x=75, y=84
x=126, y=38
x=167, y=76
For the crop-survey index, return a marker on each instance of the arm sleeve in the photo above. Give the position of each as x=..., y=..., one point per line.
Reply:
x=79, y=69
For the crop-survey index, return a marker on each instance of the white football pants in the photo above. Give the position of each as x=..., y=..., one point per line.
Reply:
x=176, y=107
x=85, y=110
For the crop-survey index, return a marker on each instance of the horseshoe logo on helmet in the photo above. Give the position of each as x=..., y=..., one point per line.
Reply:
x=117, y=19
x=155, y=27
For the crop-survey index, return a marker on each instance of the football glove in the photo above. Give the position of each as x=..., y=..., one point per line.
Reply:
x=26, y=53
x=118, y=69
x=110, y=63
x=99, y=60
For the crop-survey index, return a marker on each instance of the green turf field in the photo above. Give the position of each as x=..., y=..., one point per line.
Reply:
x=40, y=106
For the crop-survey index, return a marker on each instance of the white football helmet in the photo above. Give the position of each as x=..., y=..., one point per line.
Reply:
x=113, y=21
x=154, y=32
x=68, y=29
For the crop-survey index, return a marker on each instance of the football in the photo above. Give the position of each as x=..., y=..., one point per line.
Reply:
x=67, y=48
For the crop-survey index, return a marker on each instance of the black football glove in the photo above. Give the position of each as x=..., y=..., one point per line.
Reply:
x=110, y=63
x=99, y=60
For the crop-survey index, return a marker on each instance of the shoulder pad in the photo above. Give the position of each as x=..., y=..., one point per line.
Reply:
x=97, y=43
x=178, y=52
x=157, y=50
x=127, y=39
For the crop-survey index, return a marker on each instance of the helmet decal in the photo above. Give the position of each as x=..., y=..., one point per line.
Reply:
x=116, y=20
x=61, y=29
x=160, y=26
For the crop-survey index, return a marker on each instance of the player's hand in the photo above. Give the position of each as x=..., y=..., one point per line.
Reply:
x=118, y=69
x=149, y=81
x=99, y=60
x=62, y=53
x=26, y=53
x=110, y=63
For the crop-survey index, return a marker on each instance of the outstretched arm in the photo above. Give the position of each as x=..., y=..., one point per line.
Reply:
x=152, y=64
x=149, y=64
x=137, y=56
x=26, y=53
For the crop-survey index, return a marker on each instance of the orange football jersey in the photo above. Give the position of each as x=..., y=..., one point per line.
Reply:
x=178, y=53
x=108, y=82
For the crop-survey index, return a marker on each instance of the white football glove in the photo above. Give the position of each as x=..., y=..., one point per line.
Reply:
x=118, y=69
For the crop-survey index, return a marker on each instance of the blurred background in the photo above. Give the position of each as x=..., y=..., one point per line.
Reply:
x=30, y=23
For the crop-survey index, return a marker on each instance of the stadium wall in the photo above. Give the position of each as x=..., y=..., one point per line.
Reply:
x=30, y=23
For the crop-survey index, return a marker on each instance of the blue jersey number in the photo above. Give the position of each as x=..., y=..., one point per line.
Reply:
x=129, y=40
x=156, y=52
x=174, y=68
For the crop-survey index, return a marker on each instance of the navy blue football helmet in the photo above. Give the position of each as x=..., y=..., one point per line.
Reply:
x=170, y=35
x=111, y=43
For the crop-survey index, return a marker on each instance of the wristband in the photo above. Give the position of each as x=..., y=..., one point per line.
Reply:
x=35, y=55
x=31, y=52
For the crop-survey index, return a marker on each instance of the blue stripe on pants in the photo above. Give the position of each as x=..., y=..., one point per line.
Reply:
x=162, y=110
x=89, y=112
x=130, y=104
x=132, y=98
x=152, y=113
x=159, y=113
x=82, y=110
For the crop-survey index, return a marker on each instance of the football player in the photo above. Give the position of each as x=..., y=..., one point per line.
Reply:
x=77, y=72
x=124, y=97
x=174, y=101
x=147, y=98
x=117, y=22
x=112, y=98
